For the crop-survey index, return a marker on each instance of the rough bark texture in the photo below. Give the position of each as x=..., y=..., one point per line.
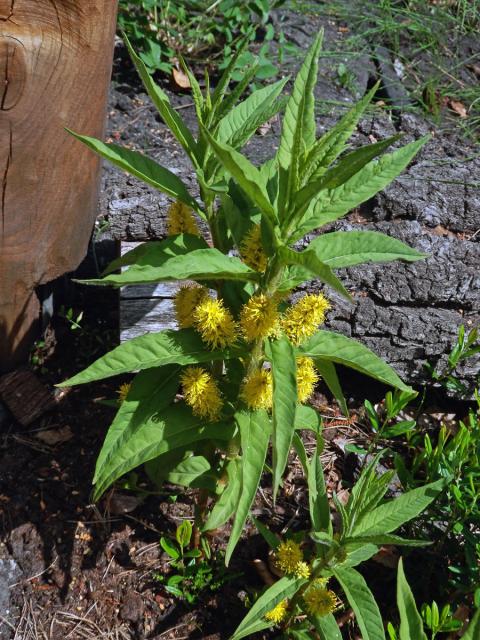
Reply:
x=55, y=62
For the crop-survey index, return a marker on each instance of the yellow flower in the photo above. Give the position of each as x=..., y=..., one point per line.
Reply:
x=201, y=393
x=258, y=317
x=307, y=378
x=302, y=319
x=186, y=301
x=302, y=570
x=257, y=390
x=319, y=600
x=123, y=391
x=288, y=556
x=278, y=613
x=251, y=249
x=215, y=323
x=180, y=219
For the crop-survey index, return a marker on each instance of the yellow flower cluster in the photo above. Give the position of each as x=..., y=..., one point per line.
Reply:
x=289, y=559
x=258, y=317
x=278, y=613
x=201, y=393
x=303, y=318
x=319, y=600
x=215, y=323
x=123, y=391
x=186, y=301
x=180, y=219
x=251, y=250
x=257, y=390
x=307, y=378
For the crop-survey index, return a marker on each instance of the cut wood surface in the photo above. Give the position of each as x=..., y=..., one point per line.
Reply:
x=55, y=57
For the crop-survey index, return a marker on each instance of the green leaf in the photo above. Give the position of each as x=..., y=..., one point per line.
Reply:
x=142, y=167
x=227, y=502
x=347, y=167
x=299, y=126
x=328, y=345
x=308, y=260
x=245, y=173
x=326, y=627
x=151, y=391
x=473, y=631
x=255, y=434
x=307, y=418
x=158, y=432
x=281, y=354
x=327, y=148
x=392, y=514
x=411, y=624
x=219, y=97
x=193, y=471
x=362, y=602
x=169, y=548
x=237, y=126
x=384, y=539
x=199, y=264
x=158, y=251
x=269, y=537
x=183, y=534
x=332, y=204
x=283, y=589
x=329, y=374
x=181, y=347
x=347, y=248
x=317, y=493
x=160, y=99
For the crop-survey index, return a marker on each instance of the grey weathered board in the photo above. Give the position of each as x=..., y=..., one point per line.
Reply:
x=145, y=308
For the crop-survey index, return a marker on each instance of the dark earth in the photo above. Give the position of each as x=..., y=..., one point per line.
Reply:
x=72, y=569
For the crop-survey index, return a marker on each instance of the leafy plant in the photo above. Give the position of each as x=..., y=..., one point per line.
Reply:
x=245, y=359
x=200, y=30
x=196, y=572
x=367, y=522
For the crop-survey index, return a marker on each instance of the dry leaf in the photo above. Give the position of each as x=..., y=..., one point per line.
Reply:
x=55, y=436
x=181, y=79
x=458, y=107
x=123, y=503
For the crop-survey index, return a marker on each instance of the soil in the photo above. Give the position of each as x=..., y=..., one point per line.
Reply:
x=73, y=569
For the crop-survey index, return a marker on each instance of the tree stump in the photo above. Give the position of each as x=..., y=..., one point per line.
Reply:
x=55, y=66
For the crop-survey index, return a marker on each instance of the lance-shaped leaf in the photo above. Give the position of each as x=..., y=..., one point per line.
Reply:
x=309, y=260
x=150, y=392
x=142, y=167
x=392, y=514
x=242, y=121
x=327, y=148
x=154, y=265
x=281, y=354
x=161, y=101
x=346, y=167
x=225, y=505
x=411, y=623
x=181, y=347
x=328, y=345
x=155, y=253
x=283, y=589
x=247, y=176
x=160, y=432
x=255, y=430
x=327, y=627
x=363, y=603
x=332, y=204
x=348, y=248
x=299, y=126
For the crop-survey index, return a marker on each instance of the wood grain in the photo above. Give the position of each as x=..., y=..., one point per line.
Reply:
x=55, y=65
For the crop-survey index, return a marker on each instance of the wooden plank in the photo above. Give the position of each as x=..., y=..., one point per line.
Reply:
x=55, y=66
x=25, y=396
